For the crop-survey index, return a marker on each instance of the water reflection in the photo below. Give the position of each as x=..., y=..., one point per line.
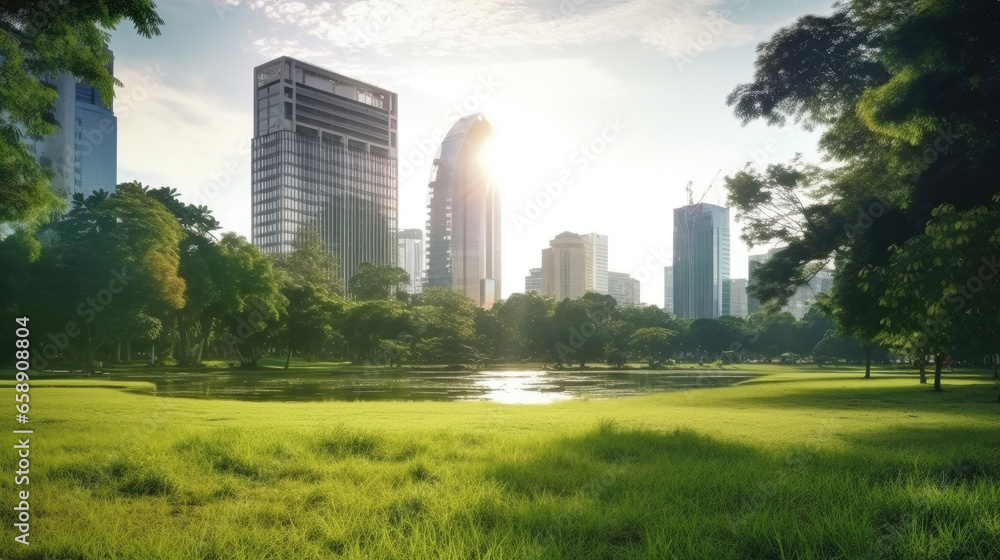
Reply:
x=508, y=387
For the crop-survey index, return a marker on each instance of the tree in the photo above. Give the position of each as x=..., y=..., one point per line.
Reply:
x=446, y=325
x=525, y=321
x=310, y=262
x=122, y=252
x=376, y=281
x=576, y=334
x=653, y=344
x=366, y=324
x=41, y=39
x=249, y=302
x=937, y=286
x=905, y=93
x=309, y=282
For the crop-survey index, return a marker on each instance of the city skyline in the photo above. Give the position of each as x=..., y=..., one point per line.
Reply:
x=619, y=140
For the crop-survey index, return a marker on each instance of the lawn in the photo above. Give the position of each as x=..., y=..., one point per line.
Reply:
x=799, y=463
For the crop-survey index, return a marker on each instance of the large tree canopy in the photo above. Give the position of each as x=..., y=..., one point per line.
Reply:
x=905, y=95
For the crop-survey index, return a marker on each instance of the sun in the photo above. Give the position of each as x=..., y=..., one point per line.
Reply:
x=494, y=159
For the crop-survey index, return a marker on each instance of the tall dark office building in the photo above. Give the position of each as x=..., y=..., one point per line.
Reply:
x=324, y=155
x=701, y=261
x=463, y=225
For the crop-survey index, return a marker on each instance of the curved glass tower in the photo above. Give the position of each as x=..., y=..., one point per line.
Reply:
x=463, y=225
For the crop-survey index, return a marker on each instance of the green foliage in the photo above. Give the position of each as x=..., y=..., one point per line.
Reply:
x=367, y=323
x=120, y=253
x=41, y=39
x=310, y=263
x=372, y=281
x=652, y=344
x=904, y=97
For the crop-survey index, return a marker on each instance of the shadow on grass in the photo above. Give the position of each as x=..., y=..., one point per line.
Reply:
x=972, y=399
x=622, y=493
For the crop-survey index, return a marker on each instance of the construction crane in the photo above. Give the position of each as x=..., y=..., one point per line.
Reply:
x=690, y=190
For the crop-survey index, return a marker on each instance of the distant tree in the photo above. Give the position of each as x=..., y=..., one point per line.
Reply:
x=526, y=324
x=249, y=301
x=618, y=338
x=448, y=318
x=309, y=281
x=376, y=281
x=577, y=334
x=366, y=324
x=653, y=344
x=310, y=262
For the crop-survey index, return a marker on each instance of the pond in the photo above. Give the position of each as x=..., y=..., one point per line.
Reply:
x=511, y=387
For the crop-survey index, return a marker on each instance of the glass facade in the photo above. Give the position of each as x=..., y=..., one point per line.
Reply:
x=411, y=257
x=624, y=289
x=96, y=144
x=463, y=225
x=701, y=261
x=83, y=152
x=324, y=154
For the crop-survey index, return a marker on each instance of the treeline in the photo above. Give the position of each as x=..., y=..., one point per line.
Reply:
x=140, y=276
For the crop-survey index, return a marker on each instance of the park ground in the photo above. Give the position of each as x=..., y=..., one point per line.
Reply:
x=798, y=463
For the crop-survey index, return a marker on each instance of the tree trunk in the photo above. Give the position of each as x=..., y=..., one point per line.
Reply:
x=118, y=351
x=289, y=357
x=938, y=362
x=206, y=329
x=923, y=370
x=128, y=350
x=868, y=361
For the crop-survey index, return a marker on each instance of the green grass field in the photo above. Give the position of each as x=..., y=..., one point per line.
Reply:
x=799, y=463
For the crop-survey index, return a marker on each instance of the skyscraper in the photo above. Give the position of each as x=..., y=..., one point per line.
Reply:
x=624, y=289
x=738, y=297
x=803, y=298
x=533, y=281
x=597, y=263
x=324, y=156
x=463, y=225
x=83, y=153
x=701, y=261
x=411, y=258
x=753, y=263
x=564, y=266
x=668, y=289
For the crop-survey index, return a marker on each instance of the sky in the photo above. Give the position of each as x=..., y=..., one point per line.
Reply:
x=603, y=110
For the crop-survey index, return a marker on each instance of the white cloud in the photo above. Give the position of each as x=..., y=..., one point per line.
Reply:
x=675, y=28
x=188, y=139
